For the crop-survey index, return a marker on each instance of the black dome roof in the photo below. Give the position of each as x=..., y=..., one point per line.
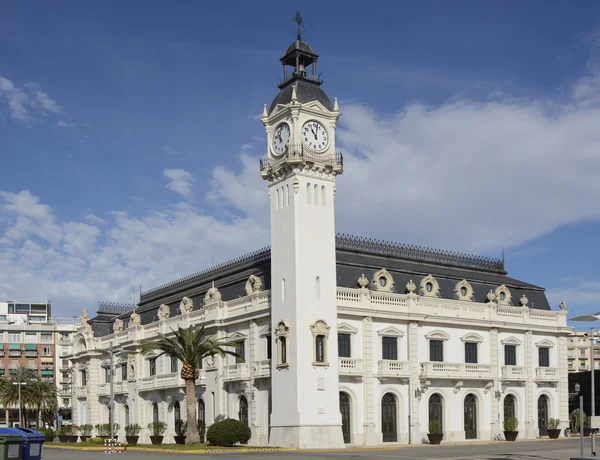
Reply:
x=305, y=91
x=298, y=45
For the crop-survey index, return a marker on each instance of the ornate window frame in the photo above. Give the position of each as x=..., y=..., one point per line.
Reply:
x=345, y=328
x=512, y=340
x=435, y=287
x=320, y=329
x=507, y=295
x=464, y=284
x=437, y=334
x=472, y=337
x=545, y=343
x=282, y=337
x=383, y=281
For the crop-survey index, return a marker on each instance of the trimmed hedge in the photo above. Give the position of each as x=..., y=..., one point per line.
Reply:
x=228, y=432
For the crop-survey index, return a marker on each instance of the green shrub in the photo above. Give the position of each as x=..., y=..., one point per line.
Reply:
x=435, y=427
x=576, y=420
x=586, y=421
x=511, y=424
x=67, y=430
x=180, y=427
x=86, y=430
x=553, y=423
x=96, y=440
x=228, y=432
x=157, y=428
x=47, y=431
x=104, y=428
x=133, y=429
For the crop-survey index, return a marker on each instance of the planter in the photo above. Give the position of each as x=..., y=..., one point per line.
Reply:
x=108, y=437
x=587, y=431
x=68, y=438
x=50, y=438
x=84, y=437
x=179, y=439
x=435, y=438
x=511, y=435
x=554, y=434
x=156, y=439
x=132, y=440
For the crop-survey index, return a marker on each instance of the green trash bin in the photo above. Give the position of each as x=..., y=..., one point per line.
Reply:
x=10, y=444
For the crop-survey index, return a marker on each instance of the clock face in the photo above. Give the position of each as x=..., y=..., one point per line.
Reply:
x=281, y=138
x=315, y=136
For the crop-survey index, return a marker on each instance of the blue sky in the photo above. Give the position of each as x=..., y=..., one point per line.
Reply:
x=129, y=136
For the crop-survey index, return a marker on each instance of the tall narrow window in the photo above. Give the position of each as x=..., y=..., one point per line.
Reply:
x=201, y=417
x=282, y=198
x=174, y=364
x=240, y=349
x=510, y=355
x=282, y=333
x=176, y=412
x=154, y=412
x=283, y=289
x=318, y=287
x=544, y=356
x=124, y=372
x=126, y=410
x=308, y=192
x=83, y=378
x=320, y=348
x=471, y=352
x=283, y=348
x=316, y=195
x=323, y=202
x=344, y=346
x=269, y=340
x=389, y=348
x=436, y=350
x=287, y=195
x=152, y=367
x=277, y=200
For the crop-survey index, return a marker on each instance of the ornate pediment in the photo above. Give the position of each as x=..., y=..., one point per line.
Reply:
x=512, y=340
x=237, y=336
x=545, y=343
x=437, y=335
x=390, y=332
x=346, y=328
x=472, y=337
x=266, y=330
x=320, y=327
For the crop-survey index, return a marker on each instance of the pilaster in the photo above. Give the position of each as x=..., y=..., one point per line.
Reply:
x=563, y=385
x=370, y=436
x=496, y=422
x=415, y=370
x=531, y=422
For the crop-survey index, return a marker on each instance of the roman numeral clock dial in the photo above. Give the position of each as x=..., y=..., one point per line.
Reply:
x=281, y=138
x=314, y=136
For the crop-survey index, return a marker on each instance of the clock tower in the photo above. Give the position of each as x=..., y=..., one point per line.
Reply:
x=301, y=169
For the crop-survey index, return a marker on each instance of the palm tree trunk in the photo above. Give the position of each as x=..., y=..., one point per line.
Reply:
x=190, y=400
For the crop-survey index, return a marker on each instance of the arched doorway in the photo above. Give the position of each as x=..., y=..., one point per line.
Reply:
x=154, y=412
x=543, y=415
x=126, y=410
x=201, y=418
x=470, y=416
x=509, y=407
x=176, y=412
x=436, y=409
x=346, y=420
x=243, y=413
x=388, y=418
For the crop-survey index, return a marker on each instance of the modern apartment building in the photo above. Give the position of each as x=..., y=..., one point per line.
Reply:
x=579, y=352
x=32, y=338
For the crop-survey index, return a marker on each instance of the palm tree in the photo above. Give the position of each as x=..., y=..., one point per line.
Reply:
x=9, y=390
x=41, y=394
x=190, y=346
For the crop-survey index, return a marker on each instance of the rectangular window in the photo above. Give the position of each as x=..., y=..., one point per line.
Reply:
x=581, y=352
x=510, y=355
x=320, y=348
x=283, y=349
x=106, y=374
x=152, y=367
x=22, y=308
x=240, y=349
x=471, y=352
x=436, y=350
x=175, y=364
x=30, y=337
x=544, y=356
x=124, y=372
x=11, y=307
x=344, y=345
x=200, y=364
x=14, y=337
x=47, y=351
x=83, y=378
x=269, y=339
x=389, y=348
x=46, y=338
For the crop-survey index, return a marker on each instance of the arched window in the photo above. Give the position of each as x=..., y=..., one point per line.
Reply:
x=287, y=195
x=543, y=415
x=308, y=192
x=346, y=418
x=470, y=416
x=316, y=195
x=176, y=411
x=201, y=410
x=243, y=413
x=436, y=409
x=318, y=287
x=283, y=289
x=154, y=412
x=388, y=418
x=509, y=407
x=126, y=411
x=323, y=202
x=277, y=200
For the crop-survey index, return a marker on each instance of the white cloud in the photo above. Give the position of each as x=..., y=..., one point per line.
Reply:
x=577, y=293
x=181, y=181
x=64, y=124
x=23, y=101
x=95, y=219
x=169, y=150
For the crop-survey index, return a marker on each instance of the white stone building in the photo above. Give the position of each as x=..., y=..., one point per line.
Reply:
x=345, y=340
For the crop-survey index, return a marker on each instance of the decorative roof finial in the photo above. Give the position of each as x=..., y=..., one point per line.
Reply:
x=265, y=113
x=298, y=20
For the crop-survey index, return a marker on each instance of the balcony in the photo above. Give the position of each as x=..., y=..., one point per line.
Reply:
x=389, y=368
x=238, y=371
x=201, y=378
x=514, y=373
x=171, y=380
x=547, y=374
x=262, y=368
x=147, y=383
x=31, y=354
x=14, y=353
x=351, y=366
x=465, y=371
x=64, y=391
x=65, y=341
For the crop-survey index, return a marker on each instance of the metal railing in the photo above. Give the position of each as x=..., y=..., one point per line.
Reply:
x=298, y=154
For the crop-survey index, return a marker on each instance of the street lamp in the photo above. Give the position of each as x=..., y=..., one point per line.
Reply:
x=589, y=318
x=20, y=383
x=577, y=388
x=111, y=414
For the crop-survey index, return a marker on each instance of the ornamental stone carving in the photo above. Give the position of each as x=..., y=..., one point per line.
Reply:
x=320, y=328
x=131, y=369
x=212, y=295
x=296, y=186
x=383, y=281
x=253, y=285
x=429, y=287
x=411, y=287
x=186, y=305
x=503, y=295
x=491, y=297
x=563, y=305
x=164, y=312
x=463, y=290
x=524, y=300
x=363, y=281
x=135, y=319
x=84, y=317
x=118, y=325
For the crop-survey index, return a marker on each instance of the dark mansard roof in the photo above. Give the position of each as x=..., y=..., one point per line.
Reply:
x=354, y=256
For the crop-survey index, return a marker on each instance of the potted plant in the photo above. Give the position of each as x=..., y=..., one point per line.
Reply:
x=157, y=429
x=510, y=428
x=201, y=429
x=435, y=434
x=85, y=432
x=181, y=430
x=553, y=429
x=576, y=421
x=104, y=430
x=132, y=432
x=67, y=433
x=49, y=433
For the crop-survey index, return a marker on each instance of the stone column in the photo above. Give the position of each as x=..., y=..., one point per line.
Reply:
x=495, y=424
x=531, y=422
x=563, y=385
x=370, y=435
x=415, y=370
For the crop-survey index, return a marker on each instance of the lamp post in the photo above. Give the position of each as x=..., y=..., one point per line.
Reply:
x=577, y=388
x=111, y=403
x=593, y=317
x=20, y=383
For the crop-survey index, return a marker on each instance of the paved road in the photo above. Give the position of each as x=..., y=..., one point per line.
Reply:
x=561, y=449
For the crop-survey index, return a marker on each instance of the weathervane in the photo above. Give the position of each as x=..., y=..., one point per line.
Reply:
x=298, y=20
